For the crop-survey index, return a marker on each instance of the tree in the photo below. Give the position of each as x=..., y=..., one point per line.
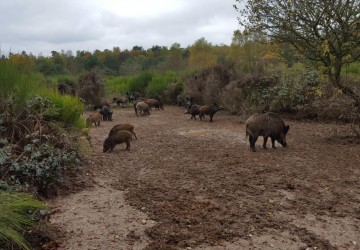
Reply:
x=326, y=32
x=202, y=54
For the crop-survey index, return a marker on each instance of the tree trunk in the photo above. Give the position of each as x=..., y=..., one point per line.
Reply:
x=337, y=82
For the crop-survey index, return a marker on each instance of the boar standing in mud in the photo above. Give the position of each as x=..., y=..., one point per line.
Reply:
x=119, y=137
x=193, y=110
x=209, y=110
x=267, y=125
x=119, y=127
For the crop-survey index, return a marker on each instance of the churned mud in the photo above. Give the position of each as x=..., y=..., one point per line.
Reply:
x=189, y=184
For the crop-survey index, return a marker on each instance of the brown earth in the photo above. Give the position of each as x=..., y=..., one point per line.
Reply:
x=189, y=184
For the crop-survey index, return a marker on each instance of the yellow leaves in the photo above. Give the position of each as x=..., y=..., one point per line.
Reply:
x=202, y=54
x=325, y=49
x=23, y=62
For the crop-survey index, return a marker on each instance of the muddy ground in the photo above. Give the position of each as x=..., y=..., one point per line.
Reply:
x=189, y=184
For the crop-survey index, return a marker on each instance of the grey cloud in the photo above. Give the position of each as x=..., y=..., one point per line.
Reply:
x=45, y=25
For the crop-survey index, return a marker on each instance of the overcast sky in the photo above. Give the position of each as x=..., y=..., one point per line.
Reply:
x=41, y=26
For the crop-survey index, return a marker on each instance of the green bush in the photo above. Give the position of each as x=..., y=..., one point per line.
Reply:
x=17, y=214
x=66, y=109
x=117, y=86
x=160, y=82
x=39, y=165
x=140, y=82
x=295, y=88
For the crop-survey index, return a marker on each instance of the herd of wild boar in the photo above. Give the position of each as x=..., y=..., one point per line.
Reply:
x=267, y=124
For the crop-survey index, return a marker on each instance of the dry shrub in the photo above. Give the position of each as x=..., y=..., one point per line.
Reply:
x=205, y=86
x=249, y=92
x=91, y=87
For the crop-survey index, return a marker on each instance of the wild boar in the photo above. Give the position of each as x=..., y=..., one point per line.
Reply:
x=143, y=108
x=100, y=105
x=267, y=125
x=209, y=110
x=119, y=137
x=155, y=103
x=154, y=96
x=106, y=113
x=193, y=109
x=135, y=102
x=94, y=118
x=121, y=101
x=133, y=96
x=120, y=127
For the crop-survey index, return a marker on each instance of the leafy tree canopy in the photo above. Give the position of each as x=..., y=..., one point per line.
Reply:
x=326, y=32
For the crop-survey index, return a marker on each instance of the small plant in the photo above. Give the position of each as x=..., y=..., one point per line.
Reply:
x=18, y=212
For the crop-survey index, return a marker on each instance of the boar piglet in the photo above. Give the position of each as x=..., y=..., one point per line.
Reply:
x=94, y=118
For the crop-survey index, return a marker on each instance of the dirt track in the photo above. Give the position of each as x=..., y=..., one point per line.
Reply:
x=189, y=184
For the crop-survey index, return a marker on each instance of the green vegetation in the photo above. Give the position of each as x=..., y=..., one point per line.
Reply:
x=18, y=212
x=35, y=123
x=146, y=83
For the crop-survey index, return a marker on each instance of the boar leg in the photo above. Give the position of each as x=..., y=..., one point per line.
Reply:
x=265, y=141
x=252, y=140
x=127, y=144
x=273, y=142
x=134, y=134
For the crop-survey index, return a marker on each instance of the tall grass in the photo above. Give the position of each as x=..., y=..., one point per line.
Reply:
x=145, y=83
x=67, y=109
x=352, y=68
x=160, y=82
x=16, y=215
x=15, y=82
x=117, y=86
x=21, y=87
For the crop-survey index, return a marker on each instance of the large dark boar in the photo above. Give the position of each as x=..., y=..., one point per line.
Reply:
x=120, y=127
x=267, y=125
x=106, y=113
x=193, y=110
x=100, y=105
x=209, y=110
x=122, y=136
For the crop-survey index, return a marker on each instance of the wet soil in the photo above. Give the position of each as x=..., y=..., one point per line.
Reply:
x=189, y=184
